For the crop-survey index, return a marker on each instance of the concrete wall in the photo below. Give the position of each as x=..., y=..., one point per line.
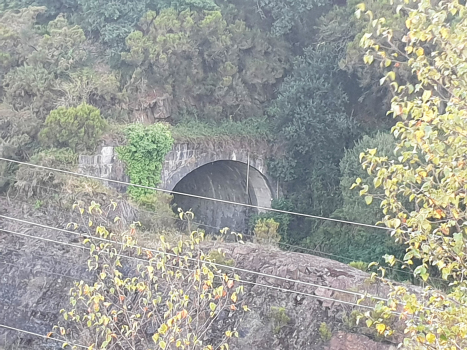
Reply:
x=214, y=171
x=185, y=157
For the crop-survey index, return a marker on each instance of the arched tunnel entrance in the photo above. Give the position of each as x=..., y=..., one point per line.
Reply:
x=227, y=180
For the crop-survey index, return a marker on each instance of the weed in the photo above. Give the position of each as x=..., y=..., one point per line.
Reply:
x=325, y=332
x=279, y=318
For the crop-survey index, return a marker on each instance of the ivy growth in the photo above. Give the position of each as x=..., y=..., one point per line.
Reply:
x=144, y=154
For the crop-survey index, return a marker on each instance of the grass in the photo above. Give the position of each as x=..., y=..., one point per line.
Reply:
x=196, y=130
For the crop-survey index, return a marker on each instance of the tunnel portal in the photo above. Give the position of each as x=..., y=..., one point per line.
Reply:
x=227, y=180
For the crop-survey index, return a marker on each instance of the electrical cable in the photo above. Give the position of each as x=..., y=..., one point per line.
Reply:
x=43, y=271
x=40, y=335
x=192, y=259
x=195, y=196
x=230, y=267
x=308, y=250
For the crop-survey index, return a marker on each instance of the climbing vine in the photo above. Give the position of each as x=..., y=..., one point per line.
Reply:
x=144, y=154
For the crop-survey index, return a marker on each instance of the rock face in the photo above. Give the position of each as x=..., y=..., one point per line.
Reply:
x=345, y=341
x=36, y=276
x=261, y=328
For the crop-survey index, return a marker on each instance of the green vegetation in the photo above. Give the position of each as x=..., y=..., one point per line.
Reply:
x=361, y=265
x=265, y=231
x=32, y=182
x=423, y=190
x=155, y=283
x=218, y=257
x=306, y=78
x=222, y=70
x=279, y=318
x=309, y=115
x=144, y=155
x=77, y=128
x=254, y=129
x=325, y=332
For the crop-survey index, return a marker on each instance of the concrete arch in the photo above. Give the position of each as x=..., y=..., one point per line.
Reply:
x=186, y=157
x=227, y=180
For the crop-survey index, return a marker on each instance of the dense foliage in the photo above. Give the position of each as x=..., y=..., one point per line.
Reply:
x=431, y=170
x=202, y=63
x=350, y=242
x=144, y=155
x=145, y=302
x=244, y=72
x=241, y=72
x=76, y=128
x=310, y=115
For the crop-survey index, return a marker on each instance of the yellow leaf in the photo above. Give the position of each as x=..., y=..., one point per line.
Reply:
x=234, y=297
x=163, y=328
x=380, y=327
x=430, y=338
x=426, y=95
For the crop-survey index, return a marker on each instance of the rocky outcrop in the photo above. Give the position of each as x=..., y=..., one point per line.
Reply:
x=36, y=276
x=305, y=314
x=346, y=341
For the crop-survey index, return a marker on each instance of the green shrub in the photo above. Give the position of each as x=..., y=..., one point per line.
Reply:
x=266, y=231
x=361, y=265
x=144, y=155
x=325, y=332
x=77, y=128
x=219, y=258
x=279, y=318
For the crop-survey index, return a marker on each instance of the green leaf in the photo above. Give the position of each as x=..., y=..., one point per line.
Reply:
x=212, y=306
x=368, y=199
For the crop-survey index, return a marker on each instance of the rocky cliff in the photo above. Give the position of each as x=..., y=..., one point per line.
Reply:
x=36, y=276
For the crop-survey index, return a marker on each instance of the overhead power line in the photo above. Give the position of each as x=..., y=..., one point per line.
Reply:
x=40, y=335
x=21, y=267
x=196, y=196
x=296, y=247
x=192, y=259
x=291, y=246
x=176, y=218
x=230, y=267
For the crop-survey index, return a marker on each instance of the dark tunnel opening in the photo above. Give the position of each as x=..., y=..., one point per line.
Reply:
x=227, y=180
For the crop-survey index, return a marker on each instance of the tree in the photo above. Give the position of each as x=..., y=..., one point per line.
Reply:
x=77, y=128
x=431, y=172
x=61, y=49
x=309, y=115
x=110, y=21
x=168, y=297
x=16, y=29
x=289, y=14
x=356, y=242
x=52, y=8
x=293, y=21
x=222, y=70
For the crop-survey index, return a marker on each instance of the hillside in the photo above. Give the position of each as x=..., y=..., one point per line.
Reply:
x=37, y=275
x=170, y=149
